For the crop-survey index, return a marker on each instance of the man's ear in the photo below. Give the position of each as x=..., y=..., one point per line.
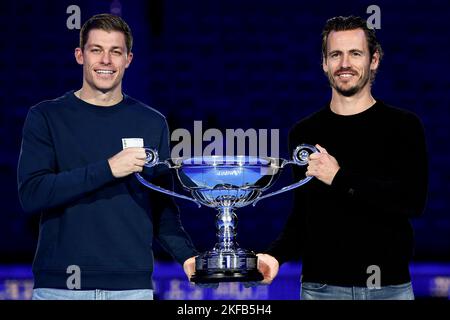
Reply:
x=79, y=56
x=324, y=64
x=375, y=61
x=129, y=59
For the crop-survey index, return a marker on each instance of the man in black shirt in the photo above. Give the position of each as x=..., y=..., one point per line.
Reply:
x=351, y=225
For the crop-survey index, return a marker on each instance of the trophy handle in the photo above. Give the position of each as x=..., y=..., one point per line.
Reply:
x=299, y=158
x=152, y=160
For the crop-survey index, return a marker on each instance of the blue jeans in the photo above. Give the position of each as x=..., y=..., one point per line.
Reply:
x=318, y=291
x=65, y=294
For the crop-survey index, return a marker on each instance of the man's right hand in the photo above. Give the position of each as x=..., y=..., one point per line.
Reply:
x=127, y=161
x=268, y=266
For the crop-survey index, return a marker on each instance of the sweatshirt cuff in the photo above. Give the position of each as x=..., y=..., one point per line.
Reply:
x=181, y=257
x=101, y=173
x=342, y=183
x=278, y=256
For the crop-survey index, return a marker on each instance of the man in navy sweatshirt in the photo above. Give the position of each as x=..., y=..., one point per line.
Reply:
x=97, y=221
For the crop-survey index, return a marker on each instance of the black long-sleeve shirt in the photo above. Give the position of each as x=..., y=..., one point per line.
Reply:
x=362, y=219
x=102, y=224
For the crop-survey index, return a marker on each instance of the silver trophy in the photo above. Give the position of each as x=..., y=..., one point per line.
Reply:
x=226, y=183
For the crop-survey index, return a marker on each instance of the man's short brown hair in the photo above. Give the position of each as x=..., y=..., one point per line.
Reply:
x=106, y=22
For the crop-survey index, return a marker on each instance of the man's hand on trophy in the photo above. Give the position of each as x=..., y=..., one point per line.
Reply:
x=189, y=270
x=189, y=267
x=268, y=266
x=127, y=161
x=322, y=165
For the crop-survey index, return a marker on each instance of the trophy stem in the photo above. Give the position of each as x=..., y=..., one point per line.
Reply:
x=226, y=262
x=226, y=221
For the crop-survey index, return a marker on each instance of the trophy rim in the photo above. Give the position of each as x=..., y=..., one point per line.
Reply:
x=228, y=161
x=226, y=187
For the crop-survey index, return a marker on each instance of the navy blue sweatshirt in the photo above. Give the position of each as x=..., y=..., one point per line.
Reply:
x=89, y=218
x=362, y=219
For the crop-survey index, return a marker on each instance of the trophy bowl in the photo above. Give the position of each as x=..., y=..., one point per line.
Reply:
x=226, y=183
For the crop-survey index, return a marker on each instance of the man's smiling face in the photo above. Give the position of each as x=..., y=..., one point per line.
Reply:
x=104, y=59
x=348, y=63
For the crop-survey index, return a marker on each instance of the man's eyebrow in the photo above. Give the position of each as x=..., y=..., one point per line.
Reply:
x=351, y=51
x=99, y=46
x=334, y=51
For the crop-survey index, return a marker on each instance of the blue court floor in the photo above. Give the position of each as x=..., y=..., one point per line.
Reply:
x=430, y=280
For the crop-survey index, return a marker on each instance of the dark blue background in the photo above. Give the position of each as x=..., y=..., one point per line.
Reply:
x=232, y=64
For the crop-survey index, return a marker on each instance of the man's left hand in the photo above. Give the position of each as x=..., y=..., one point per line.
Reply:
x=189, y=267
x=322, y=165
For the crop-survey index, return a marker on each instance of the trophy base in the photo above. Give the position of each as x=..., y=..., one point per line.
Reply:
x=216, y=266
x=226, y=276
